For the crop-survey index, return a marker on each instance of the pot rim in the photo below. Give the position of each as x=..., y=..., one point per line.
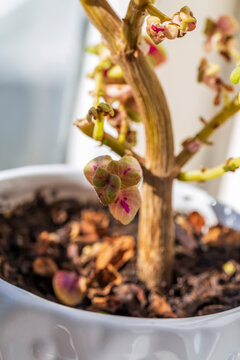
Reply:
x=25, y=298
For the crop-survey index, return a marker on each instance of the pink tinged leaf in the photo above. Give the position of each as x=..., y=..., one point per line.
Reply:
x=126, y=205
x=227, y=24
x=156, y=53
x=128, y=169
x=66, y=288
x=91, y=168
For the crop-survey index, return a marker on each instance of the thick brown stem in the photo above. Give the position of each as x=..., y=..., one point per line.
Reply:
x=156, y=230
x=156, y=235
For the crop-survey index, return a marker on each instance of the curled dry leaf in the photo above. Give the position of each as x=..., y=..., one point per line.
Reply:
x=221, y=236
x=83, y=232
x=116, y=252
x=184, y=233
x=103, y=282
x=158, y=306
x=108, y=304
x=45, y=266
x=98, y=218
x=197, y=222
x=89, y=252
x=74, y=229
x=133, y=297
x=44, y=240
x=69, y=287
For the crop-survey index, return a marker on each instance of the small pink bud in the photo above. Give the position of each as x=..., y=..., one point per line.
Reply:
x=155, y=29
x=156, y=53
x=193, y=145
x=227, y=24
x=66, y=286
x=171, y=30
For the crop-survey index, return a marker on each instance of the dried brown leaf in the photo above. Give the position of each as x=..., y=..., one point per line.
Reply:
x=103, y=282
x=109, y=304
x=221, y=236
x=132, y=296
x=184, y=233
x=99, y=218
x=197, y=222
x=158, y=306
x=44, y=266
x=116, y=251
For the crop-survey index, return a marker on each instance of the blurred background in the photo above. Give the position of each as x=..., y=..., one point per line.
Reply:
x=43, y=87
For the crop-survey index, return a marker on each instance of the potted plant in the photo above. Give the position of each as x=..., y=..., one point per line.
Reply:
x=106, y=272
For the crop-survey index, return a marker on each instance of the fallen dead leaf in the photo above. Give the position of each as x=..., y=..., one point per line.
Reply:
x=221, y=236
x=116, y=251
x=158, y=306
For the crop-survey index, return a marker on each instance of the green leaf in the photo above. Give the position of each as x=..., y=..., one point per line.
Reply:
x=126, y=205
x=91, y=167
x=101, y=177
x=108, y=193
x=128, y=169
x=235, y=75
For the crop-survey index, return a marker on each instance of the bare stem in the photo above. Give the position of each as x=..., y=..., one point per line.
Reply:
x=208, y=130
x=132, y=23
x=152, y=10
x=119, y=148
x=210, y=174
x=105, y=20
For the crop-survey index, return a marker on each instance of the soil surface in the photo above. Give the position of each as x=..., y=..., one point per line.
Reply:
x=81, y=257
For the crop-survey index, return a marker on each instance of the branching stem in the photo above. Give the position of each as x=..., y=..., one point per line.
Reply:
x=210, y=174
x=132, y=23
x=119, y=148
x=208, y=130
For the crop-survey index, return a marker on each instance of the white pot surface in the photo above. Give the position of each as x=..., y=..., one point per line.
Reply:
x=33, y=328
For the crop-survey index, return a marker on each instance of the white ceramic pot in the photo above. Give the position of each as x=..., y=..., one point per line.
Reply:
x=34, y=328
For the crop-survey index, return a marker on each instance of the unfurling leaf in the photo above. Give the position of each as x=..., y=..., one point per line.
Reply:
x=101, y=177
x=128, y=169
x=108, y=193
x=91, y=168
x=126, y=205
x=235, y=75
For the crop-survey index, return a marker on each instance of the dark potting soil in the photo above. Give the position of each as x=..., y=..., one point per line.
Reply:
x=80, y=256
